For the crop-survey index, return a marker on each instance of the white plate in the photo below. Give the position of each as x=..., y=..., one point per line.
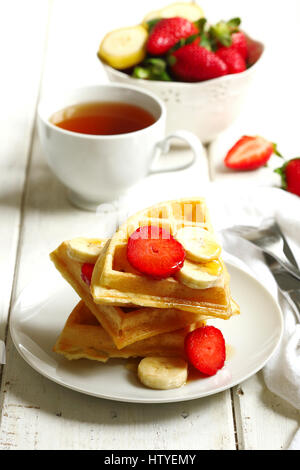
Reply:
x=42, y=309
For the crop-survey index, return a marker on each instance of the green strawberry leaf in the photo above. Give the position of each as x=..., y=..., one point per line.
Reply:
x=191, y=38
x=165, y=77
x=220, y=33
x=178, y=45
x=200, y=24
x=152, y=69
x=281, y=171
x=152, y=23
x=206, y=42
x=171, y=60
x=275, y=150
x=156, y=63
x=141, y=72
x=234, y=23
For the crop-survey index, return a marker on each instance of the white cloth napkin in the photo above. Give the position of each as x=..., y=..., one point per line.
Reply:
x=282, y=372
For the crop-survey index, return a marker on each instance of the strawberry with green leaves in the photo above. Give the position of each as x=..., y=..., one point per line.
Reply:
x=227, y=34
x=193, y=52
x=230, y=44
x=290, y=175
x=167, y=32
x=194, y=63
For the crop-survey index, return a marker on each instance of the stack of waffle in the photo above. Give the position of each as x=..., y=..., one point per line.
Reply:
x=124, y=313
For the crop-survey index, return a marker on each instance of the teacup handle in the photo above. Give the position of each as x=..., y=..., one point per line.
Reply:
x=163, y=147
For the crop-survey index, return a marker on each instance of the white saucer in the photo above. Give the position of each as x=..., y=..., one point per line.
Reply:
x=41, y=310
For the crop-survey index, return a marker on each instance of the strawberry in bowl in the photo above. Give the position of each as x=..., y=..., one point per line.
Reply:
x=177, y=49
x=201, y=71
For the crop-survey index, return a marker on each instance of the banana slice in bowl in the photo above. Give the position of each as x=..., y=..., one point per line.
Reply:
x=200, y=275
x=163, y=373
x=124, y=47
x=199, y=244
x=190, y=11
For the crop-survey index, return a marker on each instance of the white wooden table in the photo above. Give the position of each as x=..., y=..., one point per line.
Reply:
x=52, y=45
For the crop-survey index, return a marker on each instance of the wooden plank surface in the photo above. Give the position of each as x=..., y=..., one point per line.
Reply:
x=39, y=414
x=21, y=58
x=264, y=421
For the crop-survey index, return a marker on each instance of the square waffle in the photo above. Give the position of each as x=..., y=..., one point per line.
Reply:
x=116, y=282
x=84, y=337
x=128, y=323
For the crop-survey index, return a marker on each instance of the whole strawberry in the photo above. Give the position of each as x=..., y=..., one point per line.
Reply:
x=205, y=349
x=167, y=32
x=194, y=63
x=239, y=43
x=232, y=58
x=290, y=176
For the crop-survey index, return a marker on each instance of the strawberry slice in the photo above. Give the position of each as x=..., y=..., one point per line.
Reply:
x=153, y=251
x=205, y=349
x=86, y=272
x=249, y=153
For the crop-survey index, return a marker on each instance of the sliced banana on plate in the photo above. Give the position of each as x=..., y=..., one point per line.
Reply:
x=200, y=275
x=199, y=244
x=163, y=373
x=84, y=250
x=125, y=47
x=190, y=11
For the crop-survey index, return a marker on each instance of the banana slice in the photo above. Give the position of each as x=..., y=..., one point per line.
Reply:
x=85, y=250
x=190, y=11
x=200, y=276
x=163, y=373
x=152, y=15
x=124, y=47
x=199, y=244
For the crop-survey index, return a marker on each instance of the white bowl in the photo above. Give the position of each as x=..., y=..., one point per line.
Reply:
x=204, y=108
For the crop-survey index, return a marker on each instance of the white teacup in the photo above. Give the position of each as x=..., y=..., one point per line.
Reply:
x=100, y=168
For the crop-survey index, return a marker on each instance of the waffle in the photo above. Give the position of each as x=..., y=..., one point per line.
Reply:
x=84, y=337
x=126, y=324
x=116, y=282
